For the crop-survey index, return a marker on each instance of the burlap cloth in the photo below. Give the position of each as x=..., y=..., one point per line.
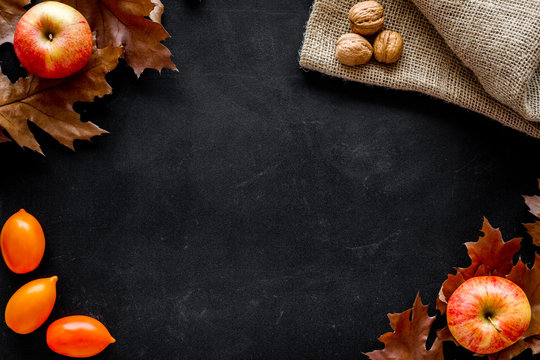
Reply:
x=482, y=55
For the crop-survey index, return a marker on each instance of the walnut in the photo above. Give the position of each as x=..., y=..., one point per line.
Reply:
x=366, y=17
x=388, y=47
x=352, y=49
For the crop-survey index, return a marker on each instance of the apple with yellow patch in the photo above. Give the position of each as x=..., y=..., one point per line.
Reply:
x=488, y=313
x=53, y=40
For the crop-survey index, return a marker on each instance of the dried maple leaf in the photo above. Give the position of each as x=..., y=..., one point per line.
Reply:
x=490, y=255
x=124, y=23
x=10, y=13
x=534, y=231
x=492, y=252
x=533, y=202
x=49, y=103
x=532, y=343
x=408, y=341
x=158, y=11
x=445, y=335
x=3, y=137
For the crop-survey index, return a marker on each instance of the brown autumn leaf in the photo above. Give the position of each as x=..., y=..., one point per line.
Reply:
x=49, y=103
x=158, y=11
x=534, y=231
x=511, y=352
x=533, y=202
x=124, y=23
x=408, y=341
x=490, y=255
x=3, y=137
x=10, y=13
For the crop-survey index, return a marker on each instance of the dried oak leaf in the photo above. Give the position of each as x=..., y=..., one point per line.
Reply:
x=49, y=103
x=124, y=23
x=533, y=202
x=10, y=13
x=408, y=341
x=490, y=255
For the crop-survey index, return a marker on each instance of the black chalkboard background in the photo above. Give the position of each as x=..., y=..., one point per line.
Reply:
x=245, y=209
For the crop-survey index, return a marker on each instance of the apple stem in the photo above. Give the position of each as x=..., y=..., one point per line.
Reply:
x=492, y=323
x=51, y=37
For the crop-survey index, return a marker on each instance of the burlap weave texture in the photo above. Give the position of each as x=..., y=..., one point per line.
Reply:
x=484, y=58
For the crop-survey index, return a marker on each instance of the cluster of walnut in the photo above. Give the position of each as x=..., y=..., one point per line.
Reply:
x=367, y=18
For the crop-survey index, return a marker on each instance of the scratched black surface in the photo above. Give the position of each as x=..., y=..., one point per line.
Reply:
x=245, y=209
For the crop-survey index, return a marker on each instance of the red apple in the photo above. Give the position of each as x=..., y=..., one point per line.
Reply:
x=53, y=40
x=488, y=313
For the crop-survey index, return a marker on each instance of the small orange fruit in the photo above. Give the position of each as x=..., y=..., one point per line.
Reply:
x=78, y=336
x=22, y=242
x=31, y=305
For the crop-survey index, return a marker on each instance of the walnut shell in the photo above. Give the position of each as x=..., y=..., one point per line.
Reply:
x=352, y=49
x=388, y=47
x=366, y=17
